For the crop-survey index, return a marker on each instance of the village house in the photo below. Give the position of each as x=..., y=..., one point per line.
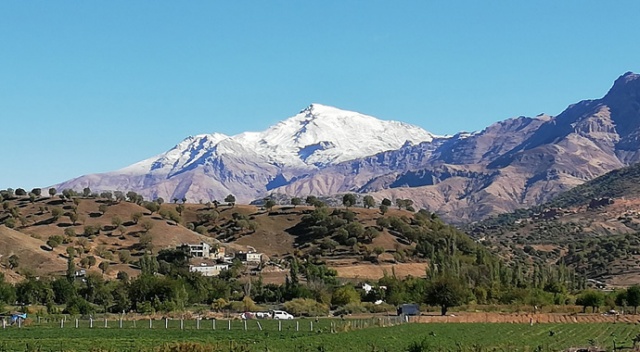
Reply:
x=208, y=269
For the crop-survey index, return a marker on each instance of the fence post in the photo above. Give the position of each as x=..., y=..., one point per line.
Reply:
x=311, y=325
x=297, y=325
x=76, y=323
x=181, y=323
x=213, y=324
x=229, y=321
x=105, y=323
x=91, y=322
x=150, y=323
x=259, y=326
x=120, y=322
x=245, y=325
x=166, y=323
x=279, y=325
x=197, y=323
x=61, y=324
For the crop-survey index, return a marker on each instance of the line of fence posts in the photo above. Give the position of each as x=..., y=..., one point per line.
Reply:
x=334, y=324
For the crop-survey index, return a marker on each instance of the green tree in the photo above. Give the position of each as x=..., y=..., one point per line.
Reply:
x=349, y=200
x=74, y=218
x=384, y=209
x=344, y=295
x=368, y=202
x=86, y=192
x=387, y=202
x=590, y=298
x=104, y=266
x=231, y=200
x=14, y=261
x=56, y=213
x=295, y=201
x=52, y=192
x=269, y=204
x=54, y=241
x=446, y=292
x=103, y=208
x=633, y=297
x=135, y=217
x=147, y=225
x=152, y=206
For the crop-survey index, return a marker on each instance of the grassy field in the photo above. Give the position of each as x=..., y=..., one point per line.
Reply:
x=407, y=337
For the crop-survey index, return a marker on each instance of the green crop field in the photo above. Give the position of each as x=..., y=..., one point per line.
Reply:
x=407, y=337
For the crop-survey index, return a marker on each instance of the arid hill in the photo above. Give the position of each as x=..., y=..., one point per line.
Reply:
x=119, y=232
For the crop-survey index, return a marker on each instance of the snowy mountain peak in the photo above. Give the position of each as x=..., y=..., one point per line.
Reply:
x=317, y=136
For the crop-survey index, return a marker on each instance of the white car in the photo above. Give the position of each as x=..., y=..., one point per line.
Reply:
x=281, y=315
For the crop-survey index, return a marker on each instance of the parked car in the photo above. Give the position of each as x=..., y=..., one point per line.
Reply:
x=281, y=315
x=409, y=309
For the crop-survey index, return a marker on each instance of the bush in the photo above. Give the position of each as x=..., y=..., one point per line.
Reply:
x=306, y=307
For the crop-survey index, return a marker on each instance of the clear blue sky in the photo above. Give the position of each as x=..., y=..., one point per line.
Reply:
x=93, y=86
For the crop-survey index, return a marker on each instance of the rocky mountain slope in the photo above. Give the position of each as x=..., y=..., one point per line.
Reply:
x=593, y=228
x=511, y=164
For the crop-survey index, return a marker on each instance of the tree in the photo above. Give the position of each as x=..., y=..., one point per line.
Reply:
x=91, y=261
x=74, y=218
x=446, y=292
x=159, y=200
x=86, y=192
x=132, y=196
x=377, y=251
x=116, y=221
x=152, y=206
x=14, y=261
x=32, y=197
x=106, y=195
x=37, y=192
x=104, y=266
x=146, y=242
x=368, y=201
x=231, y=200
x=21, y=192
x=590, y=298
x=269, y=204
x=70, y=232
x=344, y=295
x=633, y=297
x=349, y=200
x=103, y=208
x=52, y=192
x=295, y=201
x=147, y=225
x=135, y=217
x=56, y=213
x=384, y=209
x=54, y=241
x=184, y=200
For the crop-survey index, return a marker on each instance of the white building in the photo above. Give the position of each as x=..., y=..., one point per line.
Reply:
x=208, y=269
x=204, y=250
x=250, y=257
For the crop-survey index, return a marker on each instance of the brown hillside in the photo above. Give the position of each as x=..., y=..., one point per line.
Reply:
x=276, y=234
x=32, y=254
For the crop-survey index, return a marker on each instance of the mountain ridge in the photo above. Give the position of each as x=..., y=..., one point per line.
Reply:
x=325, y=151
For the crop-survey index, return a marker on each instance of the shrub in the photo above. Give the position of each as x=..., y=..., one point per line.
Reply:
x=306, y=307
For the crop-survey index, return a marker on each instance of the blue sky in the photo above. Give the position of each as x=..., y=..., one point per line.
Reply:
x=88, y=86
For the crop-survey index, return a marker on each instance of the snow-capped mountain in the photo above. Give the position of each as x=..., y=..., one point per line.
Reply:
x=210, y=166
